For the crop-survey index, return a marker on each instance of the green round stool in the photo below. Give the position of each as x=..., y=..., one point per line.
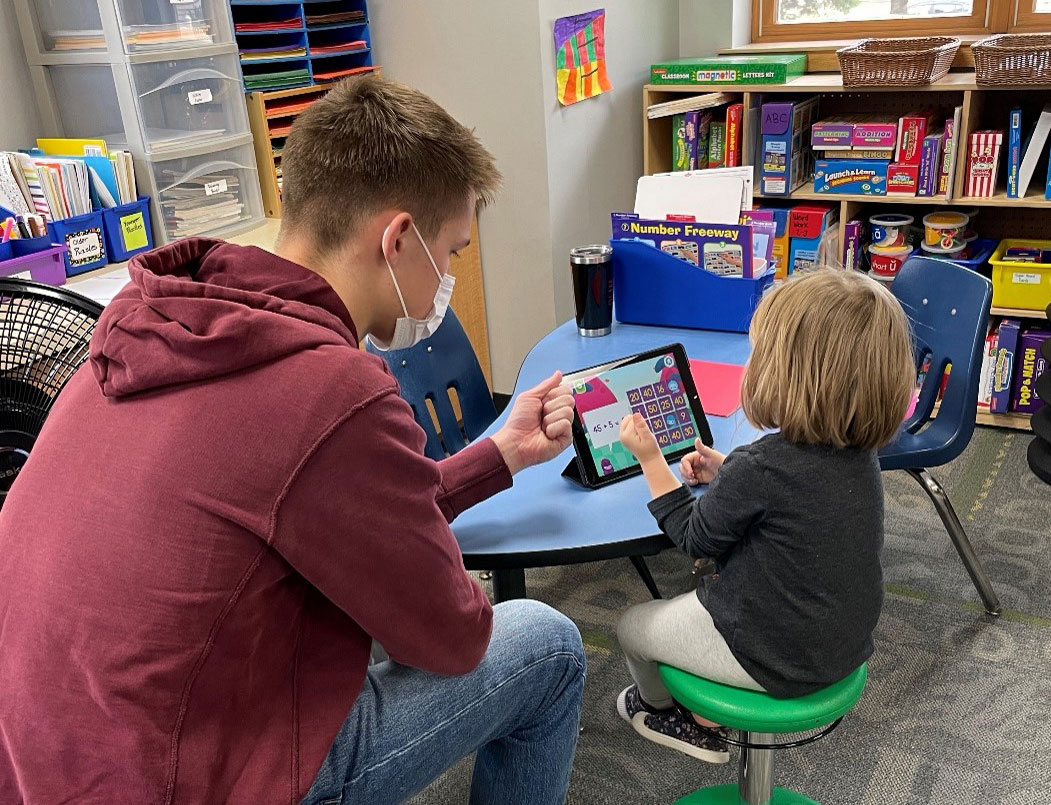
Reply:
x=759, y=717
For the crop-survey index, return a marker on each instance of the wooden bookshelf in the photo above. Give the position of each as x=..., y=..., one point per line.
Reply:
x=269, y=123
x=1018, y=313
x=804, y=193
x=823, y=82
x=983, y=107
x=1013, y=421
x=1033, y=200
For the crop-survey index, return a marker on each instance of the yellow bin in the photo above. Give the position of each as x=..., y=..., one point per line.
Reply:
x=1017, y=284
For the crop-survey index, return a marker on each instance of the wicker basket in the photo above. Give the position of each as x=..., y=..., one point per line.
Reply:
x=1012, y=60
x=908, y=62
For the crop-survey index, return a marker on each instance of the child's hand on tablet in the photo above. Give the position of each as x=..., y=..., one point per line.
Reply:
x=702, y=465
x=635, y=435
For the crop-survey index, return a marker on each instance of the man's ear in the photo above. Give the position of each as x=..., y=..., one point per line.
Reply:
x=394, y=236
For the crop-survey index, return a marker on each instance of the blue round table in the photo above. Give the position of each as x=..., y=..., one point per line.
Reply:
x=546, y=520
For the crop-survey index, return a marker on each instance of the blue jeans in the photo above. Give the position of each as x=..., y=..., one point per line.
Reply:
x=520, y=709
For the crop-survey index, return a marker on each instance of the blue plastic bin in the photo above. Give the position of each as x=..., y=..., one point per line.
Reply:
x=83, y=236
x=981, y=250
x=651, y=287
x=128, y=230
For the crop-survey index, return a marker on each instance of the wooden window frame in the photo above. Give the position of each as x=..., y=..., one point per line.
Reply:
x=1024, y=19
x=988, y=17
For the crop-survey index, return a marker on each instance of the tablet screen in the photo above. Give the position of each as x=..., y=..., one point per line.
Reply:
x=652, y=385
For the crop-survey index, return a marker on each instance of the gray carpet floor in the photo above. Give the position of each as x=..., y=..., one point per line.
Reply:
x=958, y=706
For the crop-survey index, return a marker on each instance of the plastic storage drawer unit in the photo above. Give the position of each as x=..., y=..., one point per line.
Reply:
x=152, y=106
x=203, y=192
x=70, y=30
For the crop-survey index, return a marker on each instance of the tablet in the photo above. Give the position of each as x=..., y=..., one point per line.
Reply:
x=656, y=384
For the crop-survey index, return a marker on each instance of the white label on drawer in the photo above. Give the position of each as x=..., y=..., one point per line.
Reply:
x=182, y=2
x=211, y=188
x=1025, y=279
x=84, y=247
x=199, y=96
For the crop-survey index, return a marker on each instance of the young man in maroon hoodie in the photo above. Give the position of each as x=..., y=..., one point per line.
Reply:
x=230, y=503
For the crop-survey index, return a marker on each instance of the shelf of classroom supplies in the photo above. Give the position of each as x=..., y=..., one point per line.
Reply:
x=829, y=82
x=1018, y=313
x=804, y=193
x=1033, y=200
x=1008, y=420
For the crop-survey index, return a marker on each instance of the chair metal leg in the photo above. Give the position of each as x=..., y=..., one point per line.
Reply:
x=756, y=777
x=647, y=578
x=959, y=538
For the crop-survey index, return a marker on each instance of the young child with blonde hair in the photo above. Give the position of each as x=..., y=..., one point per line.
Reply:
x=794, y=520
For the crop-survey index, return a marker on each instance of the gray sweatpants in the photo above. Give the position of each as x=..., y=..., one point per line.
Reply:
x=677, y=632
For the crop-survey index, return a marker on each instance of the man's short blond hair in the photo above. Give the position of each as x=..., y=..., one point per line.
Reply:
x=371, y=144
x=832, y=361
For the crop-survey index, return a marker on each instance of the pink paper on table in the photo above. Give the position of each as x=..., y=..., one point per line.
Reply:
x=719, y=385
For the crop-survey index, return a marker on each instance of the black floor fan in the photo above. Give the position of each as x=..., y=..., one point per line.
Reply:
x=44, y=337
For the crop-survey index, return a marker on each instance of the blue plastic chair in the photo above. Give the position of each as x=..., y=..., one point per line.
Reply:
x=427, y=371
x=948, y=307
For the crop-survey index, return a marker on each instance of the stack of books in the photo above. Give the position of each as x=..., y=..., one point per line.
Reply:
x=204, y=204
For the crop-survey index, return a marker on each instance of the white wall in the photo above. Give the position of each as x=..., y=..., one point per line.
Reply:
x=20, y=122
x=707, y=26
x=594, y=147
x=478, y=59
x=491, y=63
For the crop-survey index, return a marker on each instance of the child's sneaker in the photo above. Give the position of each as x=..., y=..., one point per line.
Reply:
x=671, y=728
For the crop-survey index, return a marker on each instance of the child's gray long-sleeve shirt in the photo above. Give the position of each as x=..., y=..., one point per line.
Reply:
x=796, y=532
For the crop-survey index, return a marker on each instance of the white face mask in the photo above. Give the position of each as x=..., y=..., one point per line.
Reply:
x=408, y=332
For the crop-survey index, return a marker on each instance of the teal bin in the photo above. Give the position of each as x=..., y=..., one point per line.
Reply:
x=128, y=230
x=84, y=239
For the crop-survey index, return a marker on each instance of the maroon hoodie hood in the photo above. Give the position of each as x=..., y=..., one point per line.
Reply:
x=215, y=523
x=192, y=312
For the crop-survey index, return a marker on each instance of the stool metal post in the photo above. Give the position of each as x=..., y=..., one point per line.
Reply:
x=756, y=781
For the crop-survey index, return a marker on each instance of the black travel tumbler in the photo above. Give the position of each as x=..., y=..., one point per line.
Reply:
x=592, y=270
